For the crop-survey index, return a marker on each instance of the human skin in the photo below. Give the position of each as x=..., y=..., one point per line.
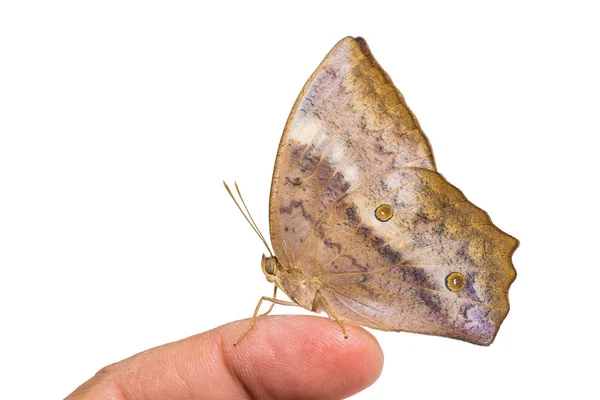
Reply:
x=282, y=357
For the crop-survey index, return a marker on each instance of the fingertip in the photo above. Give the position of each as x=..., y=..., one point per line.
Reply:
x=304, y=357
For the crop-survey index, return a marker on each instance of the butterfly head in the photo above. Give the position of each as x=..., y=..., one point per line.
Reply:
x=269, y=267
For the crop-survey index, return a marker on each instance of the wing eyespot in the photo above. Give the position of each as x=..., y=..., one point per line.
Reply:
x=455, y=282
x=384, y=212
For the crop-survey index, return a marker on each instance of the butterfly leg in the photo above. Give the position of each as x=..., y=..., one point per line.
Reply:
x=272, y=304
x=253, y=320
x=341, y=324
x=336, y=319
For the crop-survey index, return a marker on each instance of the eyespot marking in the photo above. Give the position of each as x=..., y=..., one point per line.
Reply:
x=456, y=281
x=384, y=212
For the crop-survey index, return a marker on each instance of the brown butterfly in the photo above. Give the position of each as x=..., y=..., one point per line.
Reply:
x=363, y=226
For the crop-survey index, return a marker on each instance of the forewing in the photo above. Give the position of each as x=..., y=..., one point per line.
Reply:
x=391, y=275
x=348, y=122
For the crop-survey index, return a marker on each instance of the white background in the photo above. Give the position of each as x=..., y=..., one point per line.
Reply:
x=118, y=121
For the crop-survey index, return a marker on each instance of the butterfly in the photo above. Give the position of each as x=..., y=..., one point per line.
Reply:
x=364, y=228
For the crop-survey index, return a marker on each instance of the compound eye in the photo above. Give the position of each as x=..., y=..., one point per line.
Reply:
x=270, y=267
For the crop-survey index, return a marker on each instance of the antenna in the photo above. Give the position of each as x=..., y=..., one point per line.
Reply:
x=250, y=220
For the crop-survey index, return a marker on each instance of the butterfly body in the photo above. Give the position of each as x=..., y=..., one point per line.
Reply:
x=364, y=227
x=300, y=288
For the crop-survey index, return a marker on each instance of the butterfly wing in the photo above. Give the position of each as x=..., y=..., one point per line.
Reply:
x=393, y=274
x=348, y=121
x=351, y=145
